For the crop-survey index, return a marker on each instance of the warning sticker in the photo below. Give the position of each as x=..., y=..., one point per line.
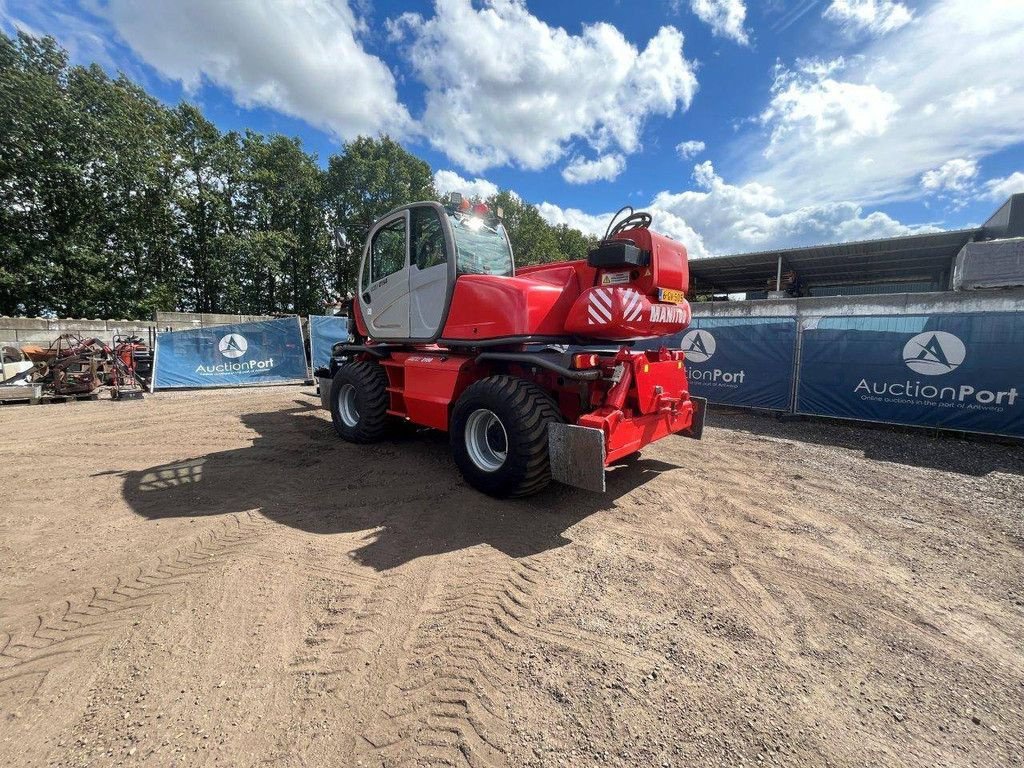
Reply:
x=615, y=278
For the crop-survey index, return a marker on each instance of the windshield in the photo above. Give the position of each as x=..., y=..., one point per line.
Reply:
x=482, y=249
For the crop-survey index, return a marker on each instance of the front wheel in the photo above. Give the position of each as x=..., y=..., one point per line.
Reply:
x=499, y=436
x=359, y=402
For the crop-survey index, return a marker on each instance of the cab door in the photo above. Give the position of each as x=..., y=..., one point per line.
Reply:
x=428, y=271
x=384, y=282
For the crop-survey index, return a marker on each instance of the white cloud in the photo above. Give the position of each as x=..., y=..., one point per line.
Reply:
x=85, y=36
x=725, y=17
x=810, y=104
x=972, y=99
x=876, y=17
x=957, y=97
x=1000, y=189
x=304, y=60
x=603, y=168
x=588, y=224
x=503, y=87
x=690, y=149
x=450, y=181
x=719, y=218
x=955, y=176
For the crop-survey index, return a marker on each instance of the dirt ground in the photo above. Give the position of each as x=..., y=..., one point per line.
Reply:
x=216, y=579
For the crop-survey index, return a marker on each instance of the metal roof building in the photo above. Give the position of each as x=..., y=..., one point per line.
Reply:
x=912, y=264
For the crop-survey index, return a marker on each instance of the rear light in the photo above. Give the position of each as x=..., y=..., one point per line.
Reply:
x=585, y=361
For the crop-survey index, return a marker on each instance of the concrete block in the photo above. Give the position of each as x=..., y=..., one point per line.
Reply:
x=223, y=319
x=128, y=326
x=42, y=339
x=82, y=327
x=23, y=323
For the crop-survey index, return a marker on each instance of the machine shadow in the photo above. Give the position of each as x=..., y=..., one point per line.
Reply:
x=405, y=494
x=975, y=455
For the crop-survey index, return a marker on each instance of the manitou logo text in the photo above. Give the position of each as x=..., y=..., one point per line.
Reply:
x=934, y=353
x=233, y=345
x=667, y=313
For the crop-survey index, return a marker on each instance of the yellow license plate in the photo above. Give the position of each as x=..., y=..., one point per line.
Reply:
x=670, y=294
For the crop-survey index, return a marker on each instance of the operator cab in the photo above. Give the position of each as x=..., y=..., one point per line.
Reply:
x=413, y=257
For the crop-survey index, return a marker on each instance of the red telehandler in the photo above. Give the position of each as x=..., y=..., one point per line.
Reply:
x=533, y=372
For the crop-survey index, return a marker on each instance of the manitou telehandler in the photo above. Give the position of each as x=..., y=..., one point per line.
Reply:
x=533, y=372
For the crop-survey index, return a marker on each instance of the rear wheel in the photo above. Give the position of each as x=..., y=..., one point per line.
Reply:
x=359, y=402
x=499, y=436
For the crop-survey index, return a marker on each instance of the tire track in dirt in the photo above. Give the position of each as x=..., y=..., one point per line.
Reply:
x=349, y=609
x=446, y=707
x=360, y=622
x=29, y=652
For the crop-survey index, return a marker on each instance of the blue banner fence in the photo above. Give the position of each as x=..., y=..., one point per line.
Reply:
x=745, y=361
x=236, y=355
x=962, y=372
x=324, y=331
x=958, y=371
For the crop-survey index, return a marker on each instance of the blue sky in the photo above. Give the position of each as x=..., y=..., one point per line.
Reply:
x=741, y=124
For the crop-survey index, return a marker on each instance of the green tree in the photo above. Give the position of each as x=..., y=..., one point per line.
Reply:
x=208, y=161
x=282, y=196
x=127, y=184
x=43, y=214
x=573, y=244
x=113, y=205
x=371, y=177
x=533, y=239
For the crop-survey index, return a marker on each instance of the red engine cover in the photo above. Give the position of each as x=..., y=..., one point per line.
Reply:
x=533, y=303
x=668, y=266
x=574, y=299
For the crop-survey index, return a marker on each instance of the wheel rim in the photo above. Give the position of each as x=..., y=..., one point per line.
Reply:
x=347, y=405
x=486, y=440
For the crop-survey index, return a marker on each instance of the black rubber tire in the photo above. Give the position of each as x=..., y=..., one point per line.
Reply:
x=524, y=410
x=370, y=383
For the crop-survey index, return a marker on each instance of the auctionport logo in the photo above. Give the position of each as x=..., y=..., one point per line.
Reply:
x=233, y=345
x=699, y=346
x=934, y=352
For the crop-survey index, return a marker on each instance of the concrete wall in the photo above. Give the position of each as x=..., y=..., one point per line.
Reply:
x=1009, y=300
x=176, y=321
x=15, y=331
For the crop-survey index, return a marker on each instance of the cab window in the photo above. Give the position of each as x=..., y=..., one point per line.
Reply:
x=428, y=248
x=482, y=249
x=387, y=251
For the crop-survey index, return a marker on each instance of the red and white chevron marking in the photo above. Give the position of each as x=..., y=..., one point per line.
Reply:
x=601, y=307
x=599, y=310
x=632, y=306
